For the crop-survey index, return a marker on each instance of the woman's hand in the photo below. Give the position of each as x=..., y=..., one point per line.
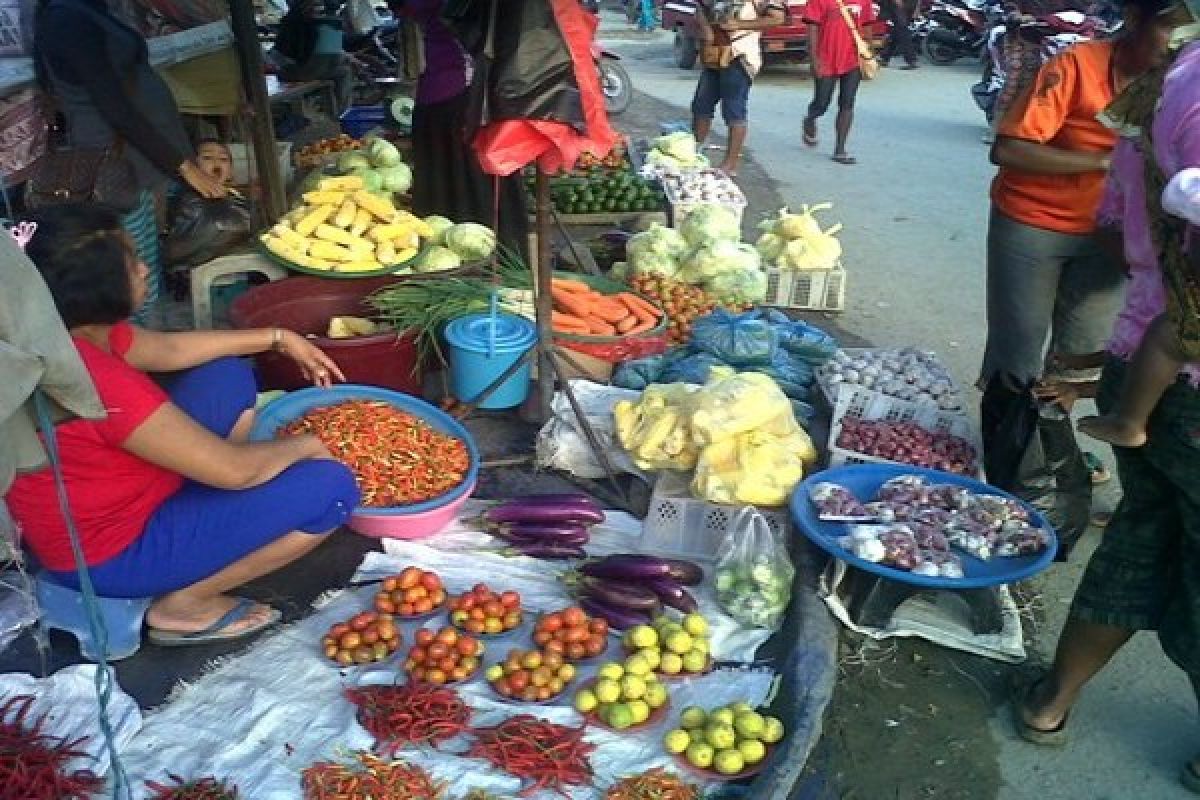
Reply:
x=1062, y=393
x=1061, y=362
x=204, y=184
x=314, y=364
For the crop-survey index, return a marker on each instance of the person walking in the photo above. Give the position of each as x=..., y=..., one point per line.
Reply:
x=899, y=42
x=833, y=50
x=731, y=56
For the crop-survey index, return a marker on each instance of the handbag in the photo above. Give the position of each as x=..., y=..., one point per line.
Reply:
x=67, y=174
x=867, y=63
x=717, y=52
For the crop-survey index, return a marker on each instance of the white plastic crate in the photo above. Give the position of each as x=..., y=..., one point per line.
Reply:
x=679, y=524
x=834, y=393
x=12, y=32
x=807, y=290
x=244, y=169
x=681, y=210
x=874, y=406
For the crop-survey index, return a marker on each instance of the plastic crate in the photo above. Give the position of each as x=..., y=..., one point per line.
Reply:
x=807, y=290
x=681, y=210
x=874, y=406
x=13, y=41
x=833, y=393
x=679, y=524
x=244, y=169
x=358, y=121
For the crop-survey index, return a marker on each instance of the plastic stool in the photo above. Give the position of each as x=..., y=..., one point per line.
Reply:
x=205, y=276
x=62, y=609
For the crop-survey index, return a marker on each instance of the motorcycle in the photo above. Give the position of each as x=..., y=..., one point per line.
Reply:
x=614, y=80
x=958, y=29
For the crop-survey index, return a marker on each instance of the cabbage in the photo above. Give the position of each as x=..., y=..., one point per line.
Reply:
x=770, y=246
x=718, y=257
x=402, y=111
x=438, y=258
x=471, y=241
x=710, y=223
x=680, y=146
x=383, y=153
x=739, y=287
x=652, y=263
x=659, y=240
x=440, y=225
x=372, y=180
x=351, y=161
x=396, y=179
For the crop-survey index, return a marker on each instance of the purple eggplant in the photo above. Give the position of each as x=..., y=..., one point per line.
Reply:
x=571, y=498
x=576, y=537
x=684, y=572
x=622, y=595
x=627, y=567
x=618, y=618
x=541, y=530
x=672, y=594
x=549, y=552
x=514, y=512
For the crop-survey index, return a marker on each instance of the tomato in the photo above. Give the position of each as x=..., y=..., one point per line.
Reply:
x=493, y=609
x=406, y=609
x=551, y=623
x=542, y=638
x=391, y=584
x=470, y=663
x=447, y=664
x=576, y=651
x=553, y=660
x=510, y=600
x=438, y=596
x=423, y=606
x=503, y=687
x=475, y=626
x=595, y=644
x=337, y=630
x=415, y=593
x=361, y=621
x=493, y=625
x=459, y=673
x=478, y=613
x=409, y=578
x=467, y=646
x=556, y=646
x=423, y=636
x=480, y=588
x=574, y=617
x=466, y=602
x=345, y=658
x=555, y=685
x=350, y=640
x=431, y=581
x=447, y=636
x=435, y=676
x=598, y=625
x=540, y=676
x=418, y=655
x=543, y=693
x=572, y=635
x=363, y=654
x=511, y=620
x=384, y=603
x=370, y=636
x=518, y=680
x=380, y=651
x=331, y=651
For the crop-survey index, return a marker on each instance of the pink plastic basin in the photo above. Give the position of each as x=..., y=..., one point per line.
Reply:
x=408, y=526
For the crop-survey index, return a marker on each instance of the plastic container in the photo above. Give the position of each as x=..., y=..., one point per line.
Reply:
x=305, y=305
x=679, y=524
x=62, y=609
x=358, y=121
x=807, y=290
x=472, y=369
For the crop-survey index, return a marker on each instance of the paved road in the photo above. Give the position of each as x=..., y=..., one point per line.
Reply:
x=915, y=211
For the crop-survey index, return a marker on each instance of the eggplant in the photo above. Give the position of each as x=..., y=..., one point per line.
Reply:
x=572, y=498
x=672, y=594
x=630, y=567
x=574, y=537
x=618, y=618
x=549, y=552
x=684, y=572
x=622, y=595
x=517, y=512
x=542, y=530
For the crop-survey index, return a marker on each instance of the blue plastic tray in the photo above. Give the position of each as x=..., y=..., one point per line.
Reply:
x=864, y=481
x=293, y=405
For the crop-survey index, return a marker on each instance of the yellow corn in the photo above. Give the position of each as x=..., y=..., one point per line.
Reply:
x=386, y=253
x=380, y=209
x=416, y=223
x=338, y=236
x=281, y=248
x=405, y=255
x=315, y=263
x=362, y=221
x=344, y=183
x=359, y=266
x=389, y=231
x=286, y=234
x=407, y=241
x=319, y=198
x=310, y=221
x=345, y=214
x=329, y=251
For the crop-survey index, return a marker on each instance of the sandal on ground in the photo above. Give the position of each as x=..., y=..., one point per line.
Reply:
x=1190, y=778
x=1042, y=737
x=845, y=158
x=1099, y=473
x=810, y=138
x=1100, y=519
x=217, y=632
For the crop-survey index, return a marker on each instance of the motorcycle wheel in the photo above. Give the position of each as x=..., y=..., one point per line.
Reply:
x=942, y=47
x=616, y=85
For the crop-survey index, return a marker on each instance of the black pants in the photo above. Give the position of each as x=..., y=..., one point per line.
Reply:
x=899, y=41
x=847, y=86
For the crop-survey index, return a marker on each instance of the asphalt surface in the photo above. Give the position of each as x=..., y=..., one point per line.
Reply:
x=914, y=210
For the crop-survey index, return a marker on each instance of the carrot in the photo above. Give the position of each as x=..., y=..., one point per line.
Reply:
x=600, y=327
x=567, y=319
x=637, y=304
x=568, y=285
x=572, y=303
x=641, y=327
x=609, y=310
x=626, y=324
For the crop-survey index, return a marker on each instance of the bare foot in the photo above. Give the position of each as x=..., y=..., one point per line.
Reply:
x=172, y=615
x=1113, y=430
x=729, y=169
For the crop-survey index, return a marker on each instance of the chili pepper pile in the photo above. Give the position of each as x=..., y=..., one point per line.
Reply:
x=655, y=784
x=202, y=789
x=415, y=713
x=544, y=755
x=33, y=763
x=398, y=458
x=372, y=778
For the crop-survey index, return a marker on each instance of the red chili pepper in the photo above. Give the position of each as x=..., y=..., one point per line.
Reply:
x=414, y=713
x=33, y=763
x=208, y=788
x=545, y=755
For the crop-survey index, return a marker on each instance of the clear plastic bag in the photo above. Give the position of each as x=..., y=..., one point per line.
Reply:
x=754, y=572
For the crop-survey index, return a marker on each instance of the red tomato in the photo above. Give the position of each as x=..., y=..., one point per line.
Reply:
x=431, y=582
x=510, y=600
x=409, y=578
x=423, y=636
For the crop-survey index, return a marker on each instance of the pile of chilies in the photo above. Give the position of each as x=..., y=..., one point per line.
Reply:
x=371, y=778
x=413, y=713
x=33, y=763
x=208, y=788
x=542, y=754
x=656, y=784
x=398, y=458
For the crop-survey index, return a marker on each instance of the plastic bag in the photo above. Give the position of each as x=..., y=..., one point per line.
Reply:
x=202, y=229
x=739, y=340
x=794, y=376
x=639, y=373
x=807, y=342
x=754, y=572
x=691, y=369
x=752, y=468
x=748, y=401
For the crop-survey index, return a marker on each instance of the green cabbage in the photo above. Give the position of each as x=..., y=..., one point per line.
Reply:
x=739, y=286
x=472, y=241
x=438, y=258
x=770, y=246
x=351, y=161
x=717, y=257
x=383, y=153
x=397, y=178
x=372, y=180
x=710, y=223
x=660, y=240
x=440, y=225
x=680, y=146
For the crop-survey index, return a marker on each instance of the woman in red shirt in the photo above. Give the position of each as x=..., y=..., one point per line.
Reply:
x=169, y=499
x=834, y=57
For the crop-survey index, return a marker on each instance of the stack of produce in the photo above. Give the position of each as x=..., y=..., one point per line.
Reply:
x=366, y=638
x=629, y=589
x=755, y=591
x=623, y=696
x=314, y=155
x=412, y=713
x=729, y=739
x=533, y=676
x=906, y=374
x=673, y=153
x=581, y=310
x=797, y=242
x=571, y=633
x=36, y=765
x=542, y=754
x=369, y=777
x=379, y=163
x=549, y=526
x=610, y=185
x=738, y=432
x=702, y=187
x=654, y=784
x=413, y=593
x=907, y=443
x=443, y=656
x=683, y=303
x=482, y=611
x=673, y=649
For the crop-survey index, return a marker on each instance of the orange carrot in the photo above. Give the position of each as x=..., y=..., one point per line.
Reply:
x=600, y=327
x=609, y=310
x=568, y=285
x=568, y=319
x=637, y=304
x=572, y=303
x=641, y=327
x=627, y=324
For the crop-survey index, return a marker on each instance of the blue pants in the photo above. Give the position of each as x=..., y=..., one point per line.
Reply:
x=199, y=530
x=730, y=87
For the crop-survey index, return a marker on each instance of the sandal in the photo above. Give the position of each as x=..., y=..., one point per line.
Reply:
x=1190, y=778
x=1099, y=473
x=844, y=158
x=810, y=133
x=1054, y=737
x=217, y=631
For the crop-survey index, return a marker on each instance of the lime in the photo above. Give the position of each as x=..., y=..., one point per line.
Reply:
x=700, y=755
x=640, y=637
x=652, y=656
x=656, y=694
x=693, y=717
x=612, y=670
x=740, y=708
x=730, y=762
x=752, y=750
x=772, y=730
x=695, y=661
x=671, y=664
x=722, y=716
x=585, y=701
x=640, y=710
x=494, y=673
x=720, y=736
x=749, y=725
x=619, y=716
x=676, y=741
x=679, y=642
x=607, y=691
x=695, y=624
x=632, y=687
x=638, y=664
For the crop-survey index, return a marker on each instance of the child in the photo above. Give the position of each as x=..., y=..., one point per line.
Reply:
x=200, y=229
x=214, y=158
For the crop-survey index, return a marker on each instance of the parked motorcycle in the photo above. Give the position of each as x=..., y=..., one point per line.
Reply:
x=614, y=80
x=958, y=29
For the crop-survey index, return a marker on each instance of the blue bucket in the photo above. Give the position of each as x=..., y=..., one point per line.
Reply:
x=468, y=340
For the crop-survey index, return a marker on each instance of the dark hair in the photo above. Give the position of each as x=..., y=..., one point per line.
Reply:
x=83, y=255
x=1148, y=9
x=211, y=140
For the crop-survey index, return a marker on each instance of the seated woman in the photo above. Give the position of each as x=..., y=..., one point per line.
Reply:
x=169, y=498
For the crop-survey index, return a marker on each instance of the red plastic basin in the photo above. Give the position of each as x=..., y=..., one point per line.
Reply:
x=305, y=305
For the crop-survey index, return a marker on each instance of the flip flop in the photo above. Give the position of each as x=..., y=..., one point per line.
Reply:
x=216, y=632
x=1054, y=737
x=810, y=139
x=1099, y=473
x=1190, y=778
x=846, y=159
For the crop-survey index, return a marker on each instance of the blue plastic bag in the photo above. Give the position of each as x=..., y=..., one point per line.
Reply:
x=638, y=373
x=739, y=340
x=691, y=369
x=808, y=342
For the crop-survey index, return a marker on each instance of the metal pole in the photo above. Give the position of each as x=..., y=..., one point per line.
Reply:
x=262, y=129
x=545, y=299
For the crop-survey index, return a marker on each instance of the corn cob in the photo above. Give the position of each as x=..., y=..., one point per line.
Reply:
x=330, y=252
x=381, y=209
x=390, y=231
x=338, y=236
x=359, y=266
x=319, y=198
x=386, y=253
x=295, y=240
x=362, y=221
x=344, y=183
x=310, y=221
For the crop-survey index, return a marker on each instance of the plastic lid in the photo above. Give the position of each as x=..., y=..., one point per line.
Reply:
x=474, y=331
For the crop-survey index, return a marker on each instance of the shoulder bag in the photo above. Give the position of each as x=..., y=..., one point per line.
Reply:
x=67, y=174
x=867, y=62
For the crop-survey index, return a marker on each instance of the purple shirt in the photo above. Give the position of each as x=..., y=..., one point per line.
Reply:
x=448, y=67
x=1176, y=137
